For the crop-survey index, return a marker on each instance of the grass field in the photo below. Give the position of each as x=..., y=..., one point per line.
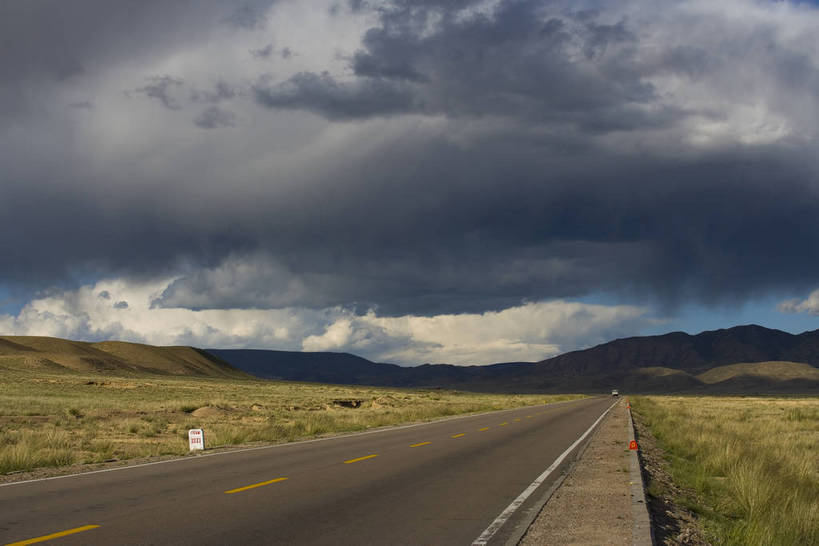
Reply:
x=752, y=463
x=57, y=419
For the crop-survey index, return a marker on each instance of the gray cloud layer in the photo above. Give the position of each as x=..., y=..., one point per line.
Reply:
x=523, y=61
x=443, y=159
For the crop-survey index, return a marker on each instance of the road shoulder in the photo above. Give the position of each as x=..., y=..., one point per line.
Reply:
x=593, y=504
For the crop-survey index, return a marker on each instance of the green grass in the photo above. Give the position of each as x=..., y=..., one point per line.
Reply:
x=753, y=464
x=50, y=419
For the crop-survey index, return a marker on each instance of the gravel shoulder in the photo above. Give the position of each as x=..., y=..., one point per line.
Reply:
x=593, y=505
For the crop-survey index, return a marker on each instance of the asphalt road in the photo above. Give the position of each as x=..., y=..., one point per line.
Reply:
x=436, y=483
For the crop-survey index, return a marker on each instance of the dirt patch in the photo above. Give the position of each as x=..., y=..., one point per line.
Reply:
x=673, y=524
x=384, y=402
x=348, y=403
x=593, y=505
x=23, y=419
x=209, y=411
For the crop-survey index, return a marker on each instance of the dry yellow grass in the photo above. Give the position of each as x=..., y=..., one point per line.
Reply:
x=59, y=418
x=753, y=463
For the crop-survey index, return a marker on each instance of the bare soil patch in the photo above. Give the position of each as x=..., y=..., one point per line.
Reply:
x=209, y=411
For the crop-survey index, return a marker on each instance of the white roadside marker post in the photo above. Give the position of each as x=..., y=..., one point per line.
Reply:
x=196, y=439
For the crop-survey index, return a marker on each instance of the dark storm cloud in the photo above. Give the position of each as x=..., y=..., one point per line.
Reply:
x=133, y=233
x=249, y=16
x=267, y=51
x=515, y=156
x=263, y=52
x=714, y=230
x=215, y=118
x=516, y=63
x=221, y=91
x=161, y=88
x=49, y=44
x=322, y=94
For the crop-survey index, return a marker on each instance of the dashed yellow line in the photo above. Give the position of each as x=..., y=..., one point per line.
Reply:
x=459, y=435
x=503, y=424
x=364, y=458
x=517, y=418
x=255, y=485
x=54, y=535
x=421, y=444
x=528, y=416
x=483, y=429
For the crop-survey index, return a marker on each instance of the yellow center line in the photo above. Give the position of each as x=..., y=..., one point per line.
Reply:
x=517, y=418
x=361, y=458
x=459, y=435
x=421, y=444
x=245, y=488
x=528, y=416
x=503, y=424
x=54, y=535
x=483, y=429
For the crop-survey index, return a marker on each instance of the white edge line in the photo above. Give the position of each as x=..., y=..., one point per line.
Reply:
x=184, y=458
x=493, y=528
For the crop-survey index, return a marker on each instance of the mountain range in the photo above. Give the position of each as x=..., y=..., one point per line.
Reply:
x=741, y=359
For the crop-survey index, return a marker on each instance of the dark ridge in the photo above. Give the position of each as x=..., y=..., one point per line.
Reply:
x=662, y=363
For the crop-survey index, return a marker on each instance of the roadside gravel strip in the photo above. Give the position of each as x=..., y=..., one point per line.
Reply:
x=595, y=504
x=643, y=532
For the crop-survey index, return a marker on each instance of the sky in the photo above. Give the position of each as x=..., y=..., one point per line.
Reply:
x=445, y=181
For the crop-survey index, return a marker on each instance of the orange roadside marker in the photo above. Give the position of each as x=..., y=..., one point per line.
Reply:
x=628, y=406
x=632, y=445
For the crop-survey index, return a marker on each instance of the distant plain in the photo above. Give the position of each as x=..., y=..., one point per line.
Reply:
x=61, y=418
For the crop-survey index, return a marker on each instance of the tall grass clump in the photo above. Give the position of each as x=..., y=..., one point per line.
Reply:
x=27, y=450
x=753, y=463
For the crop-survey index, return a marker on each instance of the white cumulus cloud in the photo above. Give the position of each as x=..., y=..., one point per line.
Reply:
x=125, y=310
x=809, y=305
x=529, y=332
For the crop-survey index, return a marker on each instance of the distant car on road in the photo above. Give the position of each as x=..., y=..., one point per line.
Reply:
x=615, y=392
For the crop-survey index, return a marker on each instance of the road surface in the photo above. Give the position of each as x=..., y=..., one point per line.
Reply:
x=437, y=483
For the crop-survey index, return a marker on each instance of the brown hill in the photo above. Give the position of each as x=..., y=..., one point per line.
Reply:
x=761, y=377
x=177, y=360
x=773, y=371
x=48, y=353
x=658, y=379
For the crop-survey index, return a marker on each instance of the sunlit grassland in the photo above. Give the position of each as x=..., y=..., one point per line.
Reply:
x=60, y=419
x=752, y=463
